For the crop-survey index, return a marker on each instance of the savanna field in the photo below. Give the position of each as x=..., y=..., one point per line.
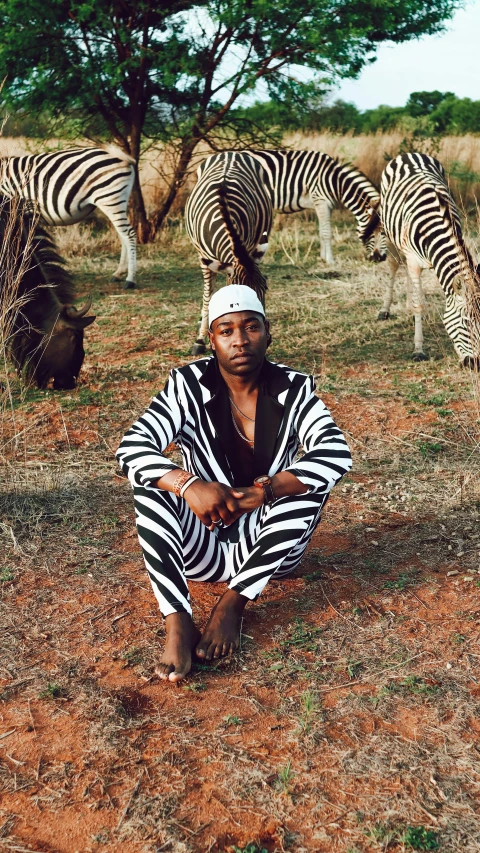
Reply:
x=349, y=720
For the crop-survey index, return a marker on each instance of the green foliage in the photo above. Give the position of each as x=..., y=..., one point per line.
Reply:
x=285, y=777
x=232, y=720
x=6, y=574
x=417, y=686
x=353, y=668
x=404, y=580
x=426, y=117
x=425, y=103
x=429, y=448
x=132, y=657
x=302, y=636
x=52, y=691
x=195, y=686
x=415, y=837
x=311, y=709
x=250, y=848
x=412, y=685
x=420, y=838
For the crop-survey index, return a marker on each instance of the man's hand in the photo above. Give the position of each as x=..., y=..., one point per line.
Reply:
x=212, y=502
x=253, y=497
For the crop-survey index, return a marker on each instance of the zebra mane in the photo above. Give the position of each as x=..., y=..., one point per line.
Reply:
x=239, y=250
x=373, y=224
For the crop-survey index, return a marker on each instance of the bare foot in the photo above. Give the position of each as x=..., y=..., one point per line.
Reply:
x=221, y=636
x=182, y=637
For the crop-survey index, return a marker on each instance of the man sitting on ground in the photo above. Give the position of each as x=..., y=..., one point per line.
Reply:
x=243, y=508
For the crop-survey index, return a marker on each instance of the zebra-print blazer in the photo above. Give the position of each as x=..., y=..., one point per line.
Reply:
x=194, y=412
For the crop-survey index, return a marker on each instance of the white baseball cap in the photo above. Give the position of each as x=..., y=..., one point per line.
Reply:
x=232, y=298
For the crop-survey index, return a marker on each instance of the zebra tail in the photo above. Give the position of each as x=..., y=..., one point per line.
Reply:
x=241, y=255
x=115, y=151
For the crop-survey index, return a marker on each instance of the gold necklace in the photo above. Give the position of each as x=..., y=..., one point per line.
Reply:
x=250, y=441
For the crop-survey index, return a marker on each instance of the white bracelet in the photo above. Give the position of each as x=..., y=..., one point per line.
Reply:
x=187, y=484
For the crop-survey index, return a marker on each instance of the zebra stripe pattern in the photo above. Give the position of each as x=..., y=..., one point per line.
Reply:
x=178, y=415
x=422, y=222
x=177, y=547
x=228, y=217
x=68, y=185
x=175, y=544
x=301, y=180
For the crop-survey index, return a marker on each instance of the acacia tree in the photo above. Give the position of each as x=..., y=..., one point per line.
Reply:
x=133, y=70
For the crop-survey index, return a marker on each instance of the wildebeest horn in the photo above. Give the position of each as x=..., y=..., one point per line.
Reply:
x=74, y=313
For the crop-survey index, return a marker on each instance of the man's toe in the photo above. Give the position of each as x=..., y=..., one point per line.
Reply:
x=163, y=670
x=211, y=651
x=178, y=675
x=218, y=653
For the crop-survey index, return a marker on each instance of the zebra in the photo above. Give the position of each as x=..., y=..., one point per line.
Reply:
x=302, y=180
x=228, y=217
x=422, y=224
x=67, y=185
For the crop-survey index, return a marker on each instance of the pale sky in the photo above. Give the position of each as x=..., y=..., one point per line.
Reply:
x=449, y=62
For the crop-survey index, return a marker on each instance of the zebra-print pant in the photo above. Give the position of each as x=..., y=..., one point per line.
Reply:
x=177, y=547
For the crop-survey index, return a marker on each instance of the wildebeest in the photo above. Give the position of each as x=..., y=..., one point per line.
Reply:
x=42, y=330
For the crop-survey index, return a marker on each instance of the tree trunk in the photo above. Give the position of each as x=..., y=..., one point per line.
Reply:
x=139, y=214
x=158, y=217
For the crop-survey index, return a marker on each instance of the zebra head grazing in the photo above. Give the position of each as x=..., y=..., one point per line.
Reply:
x=312, y=180
x=462, y=310
x=457, y=273
x=372, y=234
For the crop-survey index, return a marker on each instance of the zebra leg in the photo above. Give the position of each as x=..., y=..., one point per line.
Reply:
x=209, y=277
x=132, y=259
x=393, y=264
x=323, y=210
x=128, y=242
x=414, y=272
x=122, y=267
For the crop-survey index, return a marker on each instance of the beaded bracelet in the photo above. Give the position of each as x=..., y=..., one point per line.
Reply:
x=181, y=479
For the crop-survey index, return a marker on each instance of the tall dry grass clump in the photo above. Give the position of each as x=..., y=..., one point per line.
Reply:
x=14, y=262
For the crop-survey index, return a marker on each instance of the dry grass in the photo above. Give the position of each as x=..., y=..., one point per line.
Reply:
x=14, y=261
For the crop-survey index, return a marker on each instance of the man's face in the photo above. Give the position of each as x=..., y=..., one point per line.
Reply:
x=240, y=341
